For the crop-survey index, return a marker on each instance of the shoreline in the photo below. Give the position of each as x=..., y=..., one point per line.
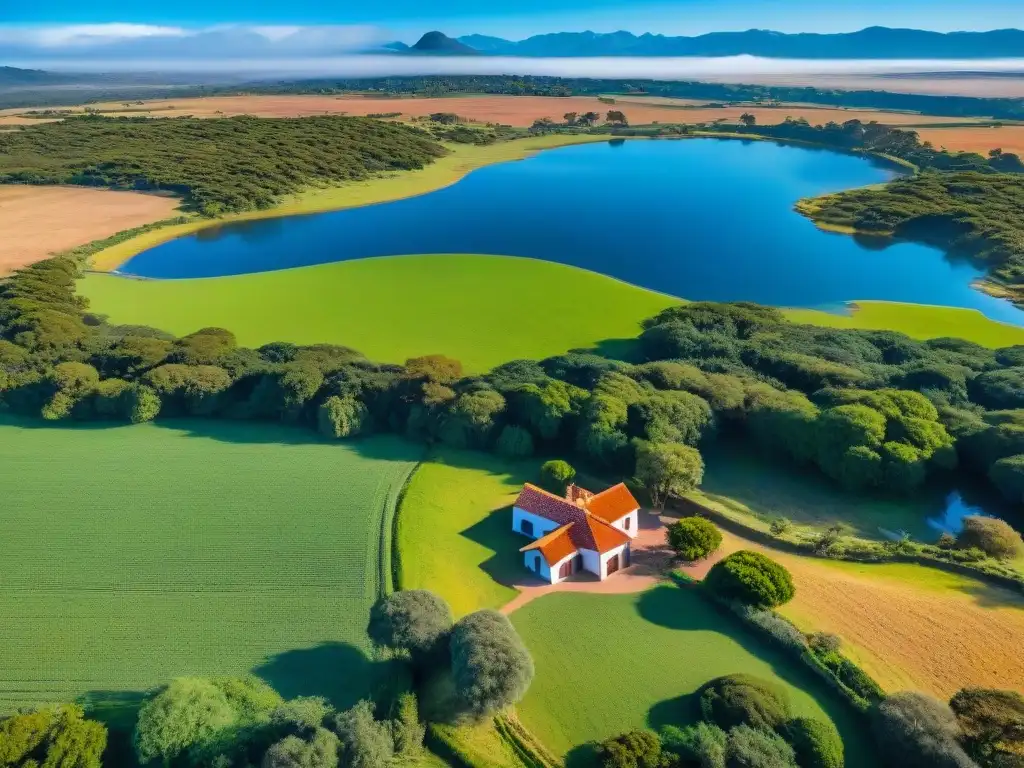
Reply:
x=397, y=185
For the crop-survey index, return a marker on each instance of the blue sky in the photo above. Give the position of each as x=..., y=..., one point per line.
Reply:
x=519, y=18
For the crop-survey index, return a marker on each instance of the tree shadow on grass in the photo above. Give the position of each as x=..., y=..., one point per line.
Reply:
x=118, y=711
x=340, y=672
x=582, y=756
x=683, y=608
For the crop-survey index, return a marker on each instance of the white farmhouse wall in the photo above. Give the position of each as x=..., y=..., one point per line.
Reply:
x=621, y=551
x=591, y=561
x=630, y=523
x=541, y=525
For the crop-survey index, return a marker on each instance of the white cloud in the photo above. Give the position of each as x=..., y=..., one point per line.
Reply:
x=227, y=40
x=83, y=34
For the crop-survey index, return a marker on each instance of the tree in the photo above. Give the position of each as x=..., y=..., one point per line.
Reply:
x=755, y=748
x=817, y=743
x=52, y=737
x=1007, y=474
x=491, y=667
x=188, y=712
x=748, y=119
x=750, y=578
x=633, y=749
x=204, y=347
x=992, y=722
x=617, y=117
x=406, y=729
x=556, y=475
x=339, y=417
x=743, y=700
x=140, y=403
x=570, y=118
x=996, y=538
x=413, y=620
x=665, y=469
x=367, y=742
x=917, y=731
x=319, y=751
x=439, y=368
x=514, y=442
x=702, y=744
x=694, y=538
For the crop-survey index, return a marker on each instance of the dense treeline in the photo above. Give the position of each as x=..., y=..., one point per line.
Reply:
x=526, y=85
x=972, y=214
x=232, y=164
x=867, y=408
x=883, y=140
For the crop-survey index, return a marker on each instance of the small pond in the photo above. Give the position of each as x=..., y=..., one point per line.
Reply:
x=699, y=218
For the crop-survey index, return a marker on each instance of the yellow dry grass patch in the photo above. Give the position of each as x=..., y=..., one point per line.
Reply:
x=1009, y=138
x=38, y=221
x=909, y=626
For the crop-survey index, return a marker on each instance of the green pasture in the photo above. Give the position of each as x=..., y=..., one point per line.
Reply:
x=482, y=310
x=454, y=529
x=608, y=663
x=132, y=555
x=920, y=321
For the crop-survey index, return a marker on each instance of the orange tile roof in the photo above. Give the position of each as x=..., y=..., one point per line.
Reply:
x=613, y=504
x=605, y=536
x=555, y=546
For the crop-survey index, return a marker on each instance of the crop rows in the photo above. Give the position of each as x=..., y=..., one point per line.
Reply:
x=136, y=554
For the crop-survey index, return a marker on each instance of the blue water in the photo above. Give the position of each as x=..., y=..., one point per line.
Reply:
x=700, y=219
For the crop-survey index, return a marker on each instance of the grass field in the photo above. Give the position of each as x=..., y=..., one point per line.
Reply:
x=132, y=555
x=921, y=321
x=482, y=310
x=453, y=535
x=443, y=172
x=608, y=663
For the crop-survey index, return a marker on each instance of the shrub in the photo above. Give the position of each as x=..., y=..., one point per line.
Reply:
x=694, y=538
x=302, y=714
x=341, y=417
x=780, y=526
x=996, y=538
x=634, y=749
x=750, y=578
x=406, y=729
x=777, y=627
x=817, y=743
x=756, y=748
x=514, y=442
x=702, y=744
x=52, y=736
x=490, y=665
x=992, y=722
x=367, y=742
x=743, y=700
x=1007, y=474
x=189, y=712
x=555, y=475
x=413, y=620
x=825, y=642
x=320, y=751
x=917, y=731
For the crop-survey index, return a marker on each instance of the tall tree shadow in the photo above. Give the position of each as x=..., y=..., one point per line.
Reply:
x=340, y=672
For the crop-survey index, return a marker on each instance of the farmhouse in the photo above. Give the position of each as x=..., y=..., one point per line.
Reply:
x=581, y=531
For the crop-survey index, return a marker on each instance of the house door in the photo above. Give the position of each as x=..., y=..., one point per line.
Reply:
x=612, y=566
x=565, y=570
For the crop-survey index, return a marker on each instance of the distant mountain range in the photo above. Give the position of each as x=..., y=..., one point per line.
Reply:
x=870, y=43
x=439, y=44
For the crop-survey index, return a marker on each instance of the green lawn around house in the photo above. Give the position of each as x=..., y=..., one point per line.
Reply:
x=482, y=310
x=608, y=663
x=133, y=555
x=454, y=529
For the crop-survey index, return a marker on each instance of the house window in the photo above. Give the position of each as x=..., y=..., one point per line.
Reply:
x=526, y=526
x=627, y=522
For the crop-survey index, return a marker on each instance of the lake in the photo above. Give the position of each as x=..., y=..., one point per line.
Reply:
x=704, y=219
